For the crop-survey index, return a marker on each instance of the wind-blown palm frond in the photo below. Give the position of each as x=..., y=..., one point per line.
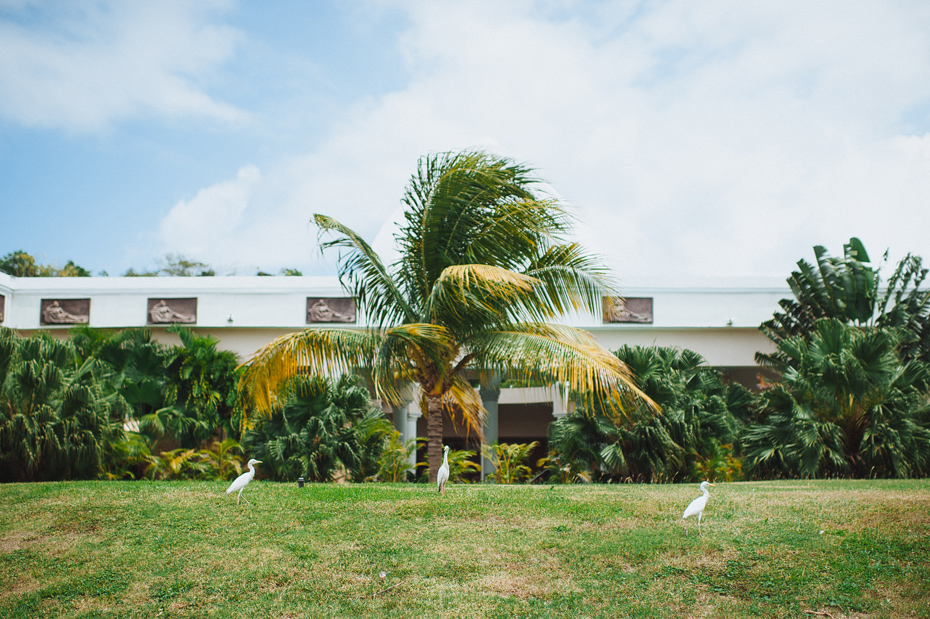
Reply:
x=470, y=295
x=573, y=279
x=463, y=398
x=362, y=272
x=569, y=356
x=317, y=352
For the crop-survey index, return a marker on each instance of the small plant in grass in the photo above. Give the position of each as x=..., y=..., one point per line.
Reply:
x=509, y=460
x=394, y=464
x=562, y=470
x=461, y=465
x=718, y=463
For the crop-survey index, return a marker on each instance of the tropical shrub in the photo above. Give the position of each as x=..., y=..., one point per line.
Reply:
x=321, y=427
x=847, y=405
x=698, y=414
x=462, y=469
x=201, y=391
x=394, y=464
x=509, y=461
x=59, y=415
x=216, y=462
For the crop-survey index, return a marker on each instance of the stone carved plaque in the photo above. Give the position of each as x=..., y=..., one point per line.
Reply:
x=626, y=309
x=171, y=311
x=327, y=309
x=65, y=312
x=2, y=307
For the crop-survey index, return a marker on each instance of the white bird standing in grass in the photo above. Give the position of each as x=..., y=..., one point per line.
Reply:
x=443, y=475
x=696, y=508
x=243, y=480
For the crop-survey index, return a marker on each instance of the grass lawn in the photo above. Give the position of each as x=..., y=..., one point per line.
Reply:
x=184, y=549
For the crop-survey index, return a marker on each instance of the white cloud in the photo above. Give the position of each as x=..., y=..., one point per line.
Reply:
x=694, y=138
x=205, y=226
x=93, y=63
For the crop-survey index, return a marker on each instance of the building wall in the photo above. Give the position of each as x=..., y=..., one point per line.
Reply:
x=717, y=318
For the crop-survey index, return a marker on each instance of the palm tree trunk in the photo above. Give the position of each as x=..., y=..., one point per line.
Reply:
x=433, y=434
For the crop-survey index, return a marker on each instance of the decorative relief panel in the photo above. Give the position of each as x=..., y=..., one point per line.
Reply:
x=626, y=309
x=171, y=311
x=323, y=309
x=65, y=312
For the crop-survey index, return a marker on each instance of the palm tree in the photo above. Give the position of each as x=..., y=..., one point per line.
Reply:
x=848, y=289
x=847, y=405
x=323, y=426
x=484, y=267
x=59, y=415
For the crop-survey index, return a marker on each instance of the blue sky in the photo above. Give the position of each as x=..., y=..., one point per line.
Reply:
x=691, y=138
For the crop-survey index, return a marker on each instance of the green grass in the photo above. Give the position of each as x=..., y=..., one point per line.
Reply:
x=171, y=549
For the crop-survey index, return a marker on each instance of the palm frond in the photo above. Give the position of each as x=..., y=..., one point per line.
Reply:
x=318, y=352
x=365, y=276
x=464, y=399
x=569, y=356
x=573, y=280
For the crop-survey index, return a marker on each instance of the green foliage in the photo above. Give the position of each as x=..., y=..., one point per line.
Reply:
x=394, y=464
x=200, y=391
x=127, y=457
x=139, y=364
x=699, y=412
x=20, y=264
x=509, y=461
x=216, y=462
x=321, y=428
x=484, y=268
x=176, y=265
x=59, y=415
x=848, y=289
x=847, y=405
x=462, y=467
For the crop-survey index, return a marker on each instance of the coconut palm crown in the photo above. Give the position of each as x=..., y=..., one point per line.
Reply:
x=484, y=268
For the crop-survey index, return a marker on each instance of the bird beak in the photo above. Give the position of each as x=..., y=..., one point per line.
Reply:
x=259, y=462
x=715, y=485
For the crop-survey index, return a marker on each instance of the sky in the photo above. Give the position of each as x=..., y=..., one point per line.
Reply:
x=690, y=139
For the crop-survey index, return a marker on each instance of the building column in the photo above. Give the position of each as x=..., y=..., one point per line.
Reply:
x=405, y=418
x=561, y=404
x=490, y=395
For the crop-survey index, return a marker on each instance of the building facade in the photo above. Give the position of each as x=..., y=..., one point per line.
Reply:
x=717, y=318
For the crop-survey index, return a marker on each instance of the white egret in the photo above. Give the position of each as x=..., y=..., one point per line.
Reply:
x=243, y=480
x=696, y=508
x=443, y=475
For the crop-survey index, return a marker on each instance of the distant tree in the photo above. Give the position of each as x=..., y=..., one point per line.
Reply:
x=176, y=265
x=133, y=273
x=20, y=264
x=291, y=272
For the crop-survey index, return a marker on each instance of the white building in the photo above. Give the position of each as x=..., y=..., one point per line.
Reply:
x=717, y=318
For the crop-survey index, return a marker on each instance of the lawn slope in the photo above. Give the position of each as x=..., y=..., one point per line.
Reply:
x=773, y=549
